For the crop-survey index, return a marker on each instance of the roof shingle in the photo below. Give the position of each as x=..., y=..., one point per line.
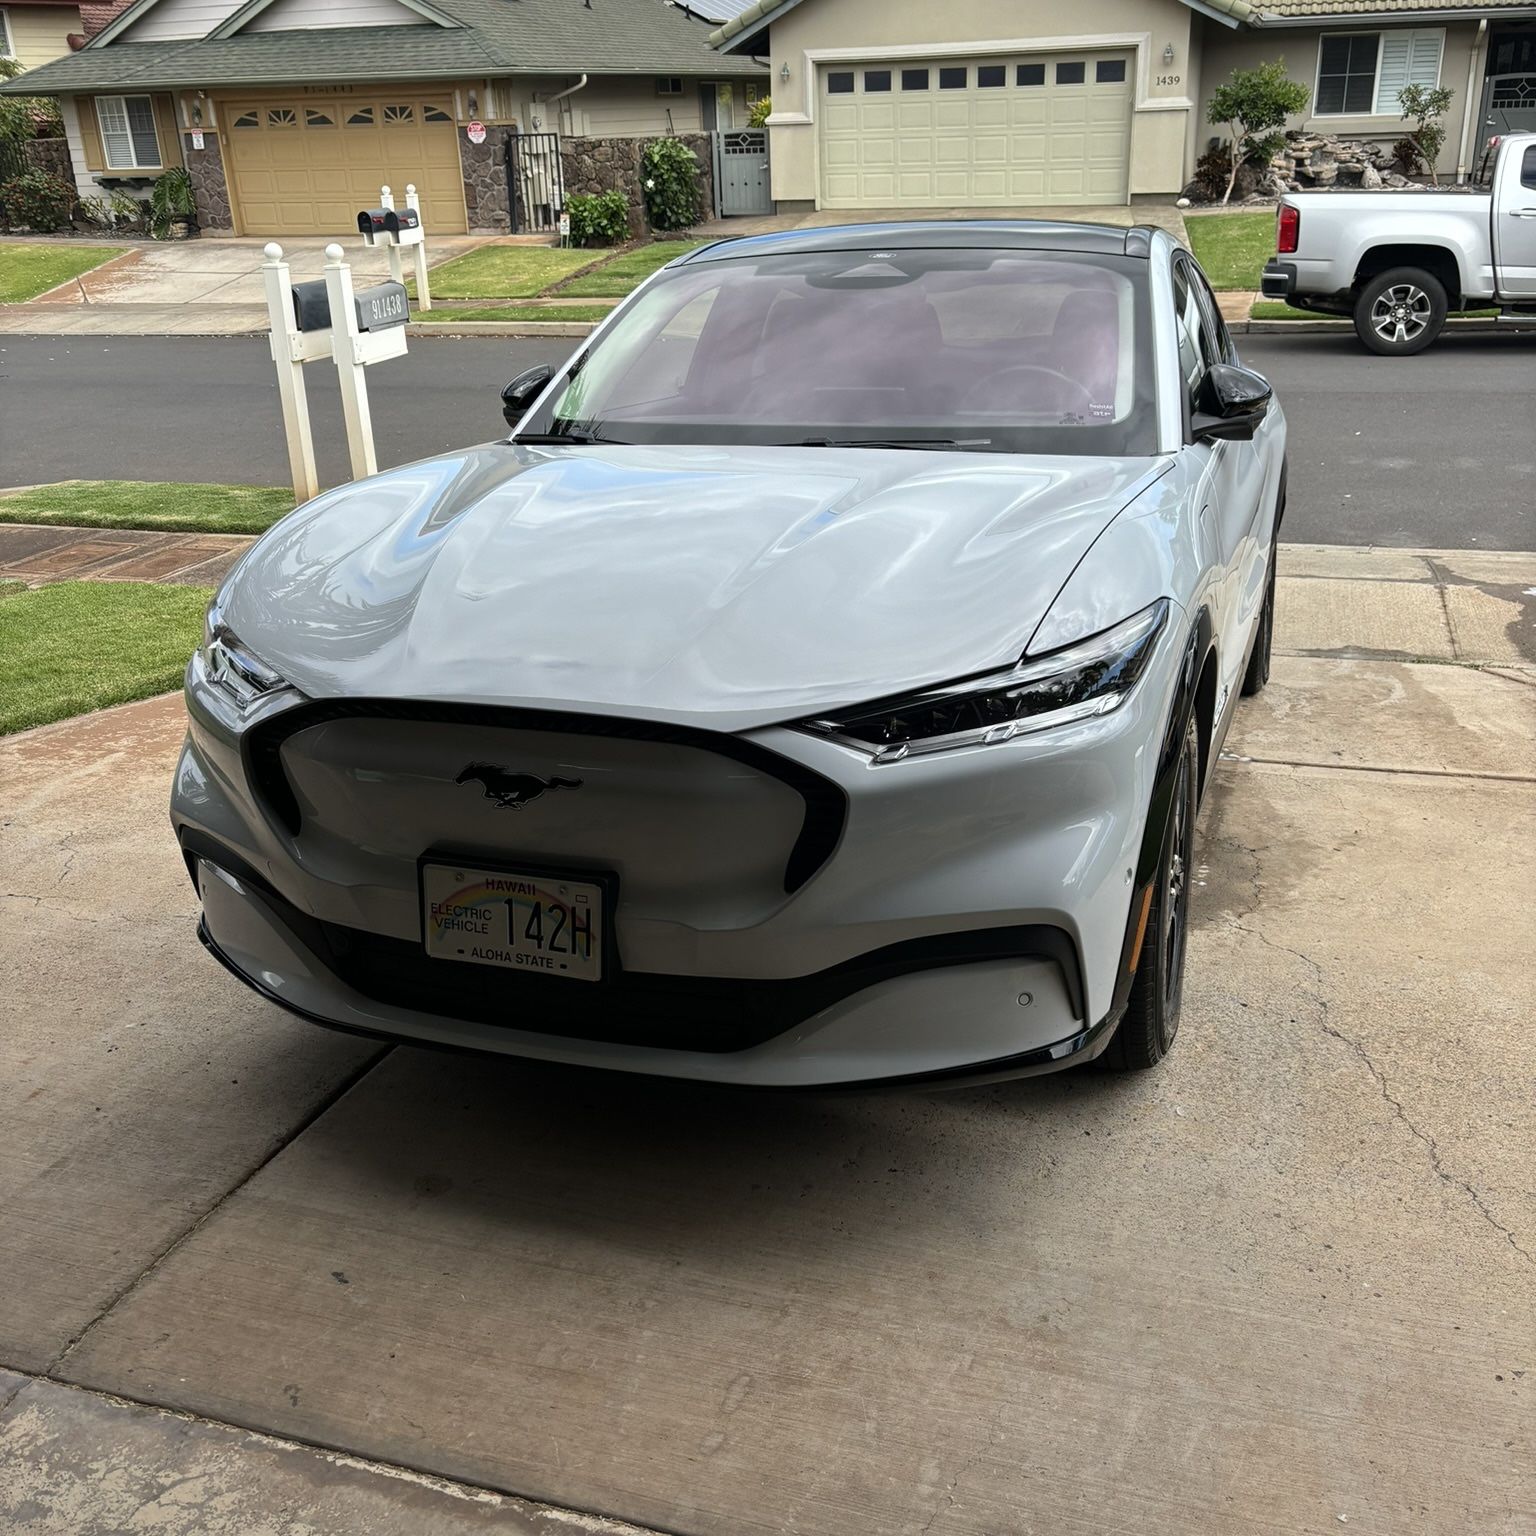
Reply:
x=498, y=37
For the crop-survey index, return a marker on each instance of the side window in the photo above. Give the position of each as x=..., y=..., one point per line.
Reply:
x=1196, y=353
x=1528, y=168
x=1225, y=351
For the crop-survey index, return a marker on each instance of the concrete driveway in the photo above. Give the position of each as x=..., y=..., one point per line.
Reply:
x=206, y=287
x=259, y=1277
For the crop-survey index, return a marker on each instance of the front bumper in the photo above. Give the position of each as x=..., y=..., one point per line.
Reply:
x=969, y=921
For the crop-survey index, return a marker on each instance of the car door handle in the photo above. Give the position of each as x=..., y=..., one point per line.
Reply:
x=1522, y=213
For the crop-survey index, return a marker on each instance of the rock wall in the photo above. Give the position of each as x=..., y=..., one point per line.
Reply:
x=485, y=181
x=1310, y=160
x=590, y=166
x=210, y=189
x=50, y=155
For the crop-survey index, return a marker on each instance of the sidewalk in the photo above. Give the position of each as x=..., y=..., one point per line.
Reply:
x=207, y=287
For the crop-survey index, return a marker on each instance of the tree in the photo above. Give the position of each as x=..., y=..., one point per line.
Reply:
x=1424, y=107
x=21, y=117
x=1252, y=106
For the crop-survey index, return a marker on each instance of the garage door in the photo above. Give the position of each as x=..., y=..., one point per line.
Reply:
x=980, y=133
x=305, y=167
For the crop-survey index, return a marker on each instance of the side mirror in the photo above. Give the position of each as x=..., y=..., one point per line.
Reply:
x=523, y=391
x=1232, y=403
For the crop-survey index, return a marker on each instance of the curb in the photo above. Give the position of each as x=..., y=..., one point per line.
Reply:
x=524, y=328
x=1316, y=327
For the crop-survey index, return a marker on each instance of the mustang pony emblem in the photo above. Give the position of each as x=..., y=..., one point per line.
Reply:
x=511, y=791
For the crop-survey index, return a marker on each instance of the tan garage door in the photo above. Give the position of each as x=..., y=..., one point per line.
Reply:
x=976, y=133
x=305, y=167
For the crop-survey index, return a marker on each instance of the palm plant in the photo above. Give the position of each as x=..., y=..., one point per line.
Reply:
x=171, y=201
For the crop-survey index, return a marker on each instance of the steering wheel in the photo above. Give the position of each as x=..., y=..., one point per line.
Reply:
x=977, y=397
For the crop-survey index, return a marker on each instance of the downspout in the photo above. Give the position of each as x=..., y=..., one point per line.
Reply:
x=570, y=90
x=1472, y=106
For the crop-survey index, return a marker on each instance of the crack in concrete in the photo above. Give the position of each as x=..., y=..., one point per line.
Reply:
x=1431, y=1145
x=1319, y=1001
x=964, y=1471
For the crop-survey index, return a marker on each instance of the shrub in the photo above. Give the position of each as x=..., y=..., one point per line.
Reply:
x=38, y=200
x=1252, y=105
x=601, y=218
x=96, y=210
x=1211, y=172
x=1406, y=157
x=762, y=109
x=1424, y=107
x=128, y=212
x=670, y=175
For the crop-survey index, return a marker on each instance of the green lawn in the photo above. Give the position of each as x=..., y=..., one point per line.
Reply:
x=627, y=270
x=1270, y=309
x=506, y=271
x=517, y=312
x=80, y=645
x=169, y=507
x=1232, y=247
x=28, y=270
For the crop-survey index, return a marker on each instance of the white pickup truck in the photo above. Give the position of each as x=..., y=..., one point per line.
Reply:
x=1398, y=262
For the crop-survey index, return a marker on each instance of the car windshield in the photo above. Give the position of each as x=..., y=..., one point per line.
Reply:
x=985, y=350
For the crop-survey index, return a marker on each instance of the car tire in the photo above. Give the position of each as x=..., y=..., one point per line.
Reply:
x=1151, y=1021
x=1264, y=638
x=1400, y=312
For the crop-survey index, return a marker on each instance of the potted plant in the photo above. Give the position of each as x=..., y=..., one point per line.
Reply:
x=172, y=207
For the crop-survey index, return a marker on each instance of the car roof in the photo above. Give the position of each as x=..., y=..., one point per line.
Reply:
x=938, y=234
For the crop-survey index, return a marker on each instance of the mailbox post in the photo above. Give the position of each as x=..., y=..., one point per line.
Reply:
x=290, y=351
x=395, y=228
x=366, y=327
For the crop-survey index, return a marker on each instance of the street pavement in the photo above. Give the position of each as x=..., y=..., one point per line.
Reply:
x=1437, y=451
x=259, y=1277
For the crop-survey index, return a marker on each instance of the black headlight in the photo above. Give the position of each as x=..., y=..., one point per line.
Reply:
x=1092, y=677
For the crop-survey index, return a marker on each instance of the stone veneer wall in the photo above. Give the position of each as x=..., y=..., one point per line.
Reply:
x=590, y=166
x=210, y=190
x=52, y=156
x=485, y=181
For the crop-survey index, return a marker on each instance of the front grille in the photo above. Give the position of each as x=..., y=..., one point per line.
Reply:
x=825, y=805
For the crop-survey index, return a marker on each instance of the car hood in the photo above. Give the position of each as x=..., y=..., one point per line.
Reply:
x=728, y=587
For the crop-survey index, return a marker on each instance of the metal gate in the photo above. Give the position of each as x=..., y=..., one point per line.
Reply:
x=535, y=188
x=1511, y=103
x=741, y=171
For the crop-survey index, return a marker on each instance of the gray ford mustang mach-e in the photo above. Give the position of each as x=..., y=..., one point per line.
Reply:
x=817, y=688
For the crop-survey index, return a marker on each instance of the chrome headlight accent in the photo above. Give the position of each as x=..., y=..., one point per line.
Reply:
x=242, y=677
x=1091, y=677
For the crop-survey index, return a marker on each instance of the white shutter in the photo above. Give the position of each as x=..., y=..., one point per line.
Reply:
x=1407, y=58
x=115, y=137
x=1424, y=64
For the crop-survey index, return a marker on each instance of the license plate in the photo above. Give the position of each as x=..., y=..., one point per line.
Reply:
x=544, y=925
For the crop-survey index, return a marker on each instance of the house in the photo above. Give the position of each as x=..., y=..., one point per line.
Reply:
x=289, y=114
x=1008, y=103
x=37, y=31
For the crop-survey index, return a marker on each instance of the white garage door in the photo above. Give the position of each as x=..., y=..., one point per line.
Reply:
x=977, y=133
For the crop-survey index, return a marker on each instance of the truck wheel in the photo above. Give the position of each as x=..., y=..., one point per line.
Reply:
x=1400, y=312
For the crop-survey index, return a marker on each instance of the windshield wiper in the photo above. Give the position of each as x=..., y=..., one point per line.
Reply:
x=889, y=442
x=579, y=438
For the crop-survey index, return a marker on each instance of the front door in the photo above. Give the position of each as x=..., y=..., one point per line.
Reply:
x=1514, y=224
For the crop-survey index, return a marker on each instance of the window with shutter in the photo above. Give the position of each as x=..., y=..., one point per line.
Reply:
x=128, y=132
x=1407, y=58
